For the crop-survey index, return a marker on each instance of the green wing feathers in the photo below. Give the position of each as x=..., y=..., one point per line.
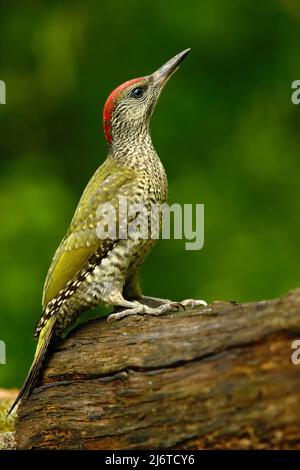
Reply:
x=81, y=241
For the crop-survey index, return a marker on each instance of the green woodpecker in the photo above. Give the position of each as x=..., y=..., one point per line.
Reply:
x=87, y=271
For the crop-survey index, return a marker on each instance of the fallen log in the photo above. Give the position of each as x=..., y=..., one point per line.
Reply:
x=218, y=377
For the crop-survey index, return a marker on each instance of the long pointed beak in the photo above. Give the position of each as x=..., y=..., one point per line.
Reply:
x=164, y=73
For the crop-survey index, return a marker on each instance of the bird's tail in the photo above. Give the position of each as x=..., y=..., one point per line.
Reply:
x=42, y=347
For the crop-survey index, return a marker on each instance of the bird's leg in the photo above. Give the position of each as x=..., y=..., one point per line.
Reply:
x=137, y=304
x=191, y=303
x=133, y=291
x=137, y=308
x=147, y=299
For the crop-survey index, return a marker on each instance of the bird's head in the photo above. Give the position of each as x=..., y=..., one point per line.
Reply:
x=129, y=107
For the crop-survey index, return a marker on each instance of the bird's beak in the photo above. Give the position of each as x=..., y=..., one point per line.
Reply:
x=161, y=76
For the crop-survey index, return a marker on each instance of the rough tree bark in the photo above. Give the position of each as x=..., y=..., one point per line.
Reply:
x=223, y=379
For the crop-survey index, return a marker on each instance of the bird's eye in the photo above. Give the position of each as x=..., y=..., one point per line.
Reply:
x=137, y=92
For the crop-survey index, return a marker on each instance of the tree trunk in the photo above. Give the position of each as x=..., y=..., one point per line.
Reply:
x=219, y=377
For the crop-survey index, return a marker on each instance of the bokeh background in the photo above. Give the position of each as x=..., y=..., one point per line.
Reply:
x=225, y=129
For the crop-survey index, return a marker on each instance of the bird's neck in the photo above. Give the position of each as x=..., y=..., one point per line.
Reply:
x=134, y=148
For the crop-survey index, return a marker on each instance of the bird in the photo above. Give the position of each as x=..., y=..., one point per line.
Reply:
x=87, y=271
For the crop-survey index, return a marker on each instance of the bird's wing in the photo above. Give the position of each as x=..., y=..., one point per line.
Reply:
x=81, y=241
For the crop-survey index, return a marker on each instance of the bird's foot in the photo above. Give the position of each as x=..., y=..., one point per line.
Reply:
x=193, y=303
x=155, y=302
x=141, y=309
x=162, y=306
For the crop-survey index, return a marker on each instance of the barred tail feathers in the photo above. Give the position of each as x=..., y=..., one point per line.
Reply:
x=45, y=337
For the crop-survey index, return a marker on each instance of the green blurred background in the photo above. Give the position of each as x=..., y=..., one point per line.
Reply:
x=225, y=129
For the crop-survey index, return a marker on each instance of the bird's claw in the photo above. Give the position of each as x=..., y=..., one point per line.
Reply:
x=142, y=309
x=145, y=310
x=175, y=306
x=193, y=303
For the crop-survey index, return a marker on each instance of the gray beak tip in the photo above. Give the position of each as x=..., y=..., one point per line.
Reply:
x=164, y=72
